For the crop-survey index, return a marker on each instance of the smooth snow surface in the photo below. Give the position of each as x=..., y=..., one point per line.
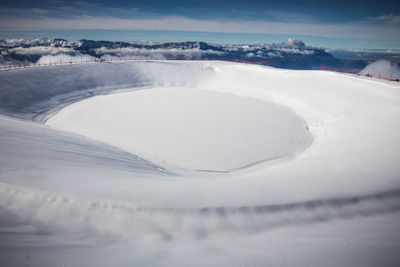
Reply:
x=188, y=128
x=83, y=192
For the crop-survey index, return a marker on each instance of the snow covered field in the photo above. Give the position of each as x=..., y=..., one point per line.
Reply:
x=197, y=163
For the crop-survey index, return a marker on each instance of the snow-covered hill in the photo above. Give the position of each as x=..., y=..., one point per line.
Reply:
x=99, y=166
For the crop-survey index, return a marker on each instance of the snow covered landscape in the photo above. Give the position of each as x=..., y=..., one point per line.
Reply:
x=290, y=54
x=151, y=133
x=197, y=163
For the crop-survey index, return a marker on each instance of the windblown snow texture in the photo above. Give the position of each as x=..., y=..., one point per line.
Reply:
x=71, y=200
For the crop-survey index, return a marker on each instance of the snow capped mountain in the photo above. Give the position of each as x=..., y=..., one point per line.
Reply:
x=292, y=54
x=56, y=42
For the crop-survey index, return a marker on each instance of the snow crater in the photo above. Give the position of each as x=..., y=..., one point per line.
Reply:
x=189, y=128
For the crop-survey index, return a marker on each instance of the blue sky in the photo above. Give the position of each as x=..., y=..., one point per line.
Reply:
x=347, y=24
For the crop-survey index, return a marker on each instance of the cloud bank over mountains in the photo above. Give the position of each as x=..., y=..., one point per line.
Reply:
x=291, y=54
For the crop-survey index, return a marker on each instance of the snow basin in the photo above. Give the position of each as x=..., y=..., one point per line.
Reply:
x=188, y=128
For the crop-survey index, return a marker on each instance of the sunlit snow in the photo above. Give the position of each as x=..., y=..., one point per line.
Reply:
x=103, y=165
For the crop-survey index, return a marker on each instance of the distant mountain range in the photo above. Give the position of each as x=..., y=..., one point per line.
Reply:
x=292, y=54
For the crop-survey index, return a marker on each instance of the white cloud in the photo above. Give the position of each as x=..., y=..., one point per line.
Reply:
x=382, y=69
x=296, y=51
x=293, y=43
x=365, y=29
x=134, y=57
x=39, y=50
x=126, y=51
x=38, y=11
x=58, y=59
x=390, y=18
x=274, y=54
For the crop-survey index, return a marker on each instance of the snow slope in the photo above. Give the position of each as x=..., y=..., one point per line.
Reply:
x=82, y=201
